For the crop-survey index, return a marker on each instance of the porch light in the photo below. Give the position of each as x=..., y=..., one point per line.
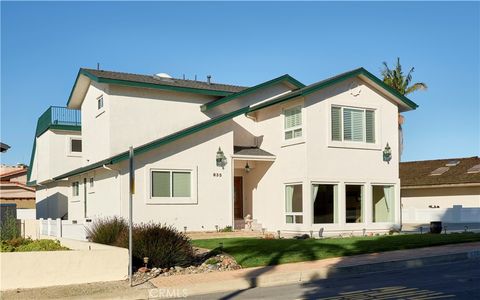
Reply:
x=387, y=154
x=221, y=159
x=247, y=168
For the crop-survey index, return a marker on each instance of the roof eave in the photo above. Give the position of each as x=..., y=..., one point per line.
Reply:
x=284, y=78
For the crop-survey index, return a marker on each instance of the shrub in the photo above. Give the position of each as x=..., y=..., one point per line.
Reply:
x=41, y=245
x=163, y=245
x=226, y=229
x=9, y=228
x=107, y=231
x=24, y=245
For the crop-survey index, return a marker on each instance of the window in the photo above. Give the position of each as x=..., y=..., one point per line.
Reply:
x=383, y=203
x=354, y=203
x=293, y=204
x=325, y=203
x=352, y=124
x=100, y=102
x=75, y=188
x=75, y=145
x=293, y=122
x=171, y=184
x=91, y=182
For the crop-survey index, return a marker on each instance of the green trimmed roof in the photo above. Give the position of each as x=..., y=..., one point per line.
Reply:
x=154, y=82
x=333, y=80
x=284, y=78
x=209, y=123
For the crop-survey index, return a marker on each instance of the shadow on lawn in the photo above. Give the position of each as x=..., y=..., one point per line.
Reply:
x=305, y=250
x=308, y=250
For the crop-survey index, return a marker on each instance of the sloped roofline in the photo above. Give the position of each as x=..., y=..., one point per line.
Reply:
x=99, y=79
x=334, y=80
x=209, y=123
x=250, y=90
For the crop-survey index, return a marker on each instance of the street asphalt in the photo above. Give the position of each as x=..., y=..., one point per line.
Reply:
x=458, y=280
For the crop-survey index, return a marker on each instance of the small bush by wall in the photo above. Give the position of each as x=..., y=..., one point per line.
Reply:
x=163, y=245
x=9, y=228
x=25, y=245
x=107, y=231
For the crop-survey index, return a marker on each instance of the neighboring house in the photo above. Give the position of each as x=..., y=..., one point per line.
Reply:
x=14, y=190
x=443, y=189
x=293, y=157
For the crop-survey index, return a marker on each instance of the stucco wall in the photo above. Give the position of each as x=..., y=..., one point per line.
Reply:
x=52, y=200
x=445, y=197
x=79, y=265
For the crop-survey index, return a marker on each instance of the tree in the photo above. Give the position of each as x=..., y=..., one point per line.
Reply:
x=403, y=84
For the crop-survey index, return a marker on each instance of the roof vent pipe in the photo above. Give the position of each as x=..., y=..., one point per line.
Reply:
x=209, y=77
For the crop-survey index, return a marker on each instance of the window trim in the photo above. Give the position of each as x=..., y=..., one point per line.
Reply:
x=69, y=146
x=293, y=140
x=102, y=102
x=294, y=214
x=150, y=199
x=355, y=144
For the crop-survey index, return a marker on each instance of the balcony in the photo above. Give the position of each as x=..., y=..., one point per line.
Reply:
x=57, y=117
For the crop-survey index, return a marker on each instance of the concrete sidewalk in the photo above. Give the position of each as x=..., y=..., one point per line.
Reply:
x=197, y=284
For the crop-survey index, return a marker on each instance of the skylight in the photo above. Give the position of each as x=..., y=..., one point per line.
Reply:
x=474, y=169
x=439, y=171
x=452, y=163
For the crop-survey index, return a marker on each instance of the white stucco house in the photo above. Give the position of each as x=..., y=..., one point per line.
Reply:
x=295, y=158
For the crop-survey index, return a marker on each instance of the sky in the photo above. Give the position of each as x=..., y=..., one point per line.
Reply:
x=43, y=44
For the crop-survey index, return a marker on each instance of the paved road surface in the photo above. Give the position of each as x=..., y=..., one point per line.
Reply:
x=459, y=280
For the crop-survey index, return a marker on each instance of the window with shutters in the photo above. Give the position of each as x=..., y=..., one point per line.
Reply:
x=293, y=123
x=352, y=124
x=171, y=184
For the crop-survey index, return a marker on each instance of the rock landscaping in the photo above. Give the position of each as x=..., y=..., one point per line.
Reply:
x=206, y=262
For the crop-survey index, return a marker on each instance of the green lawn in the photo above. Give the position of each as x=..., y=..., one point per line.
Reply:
x=252, y=252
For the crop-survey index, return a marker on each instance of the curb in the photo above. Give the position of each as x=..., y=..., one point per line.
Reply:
x=304, y=276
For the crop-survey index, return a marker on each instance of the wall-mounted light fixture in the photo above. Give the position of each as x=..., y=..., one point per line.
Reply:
x=247, y=168
x=221, y=159
x=387, y=154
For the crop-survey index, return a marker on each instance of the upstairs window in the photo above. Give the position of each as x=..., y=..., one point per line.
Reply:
x=352, y=124
x=75, y=145
x=293, y=122
x=100, y=102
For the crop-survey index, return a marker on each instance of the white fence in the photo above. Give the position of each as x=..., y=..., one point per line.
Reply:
x=455, y=214
x=62, y=229
x=26, y=213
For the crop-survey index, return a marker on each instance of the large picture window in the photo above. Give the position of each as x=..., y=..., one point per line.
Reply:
x=293, y=204
x=325, y=203
x=352, y=124
x=293, y=122
x=168, y=184
x=354, y=203
x=383, y=203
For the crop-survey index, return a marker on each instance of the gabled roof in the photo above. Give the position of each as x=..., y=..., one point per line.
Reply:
x=284, y=78
x=151, y=81
x=419, y=173
x=217, y=120
x=402, y=100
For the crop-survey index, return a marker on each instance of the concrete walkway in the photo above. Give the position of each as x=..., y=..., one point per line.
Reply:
x=197, y=284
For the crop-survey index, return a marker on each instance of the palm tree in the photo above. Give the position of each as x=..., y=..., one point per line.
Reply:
x=403, y=84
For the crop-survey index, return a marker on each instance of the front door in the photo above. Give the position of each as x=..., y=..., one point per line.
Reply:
x=238, y=197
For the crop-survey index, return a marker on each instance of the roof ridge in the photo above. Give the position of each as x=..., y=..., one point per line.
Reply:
x=153, y=76
x=439, y=159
